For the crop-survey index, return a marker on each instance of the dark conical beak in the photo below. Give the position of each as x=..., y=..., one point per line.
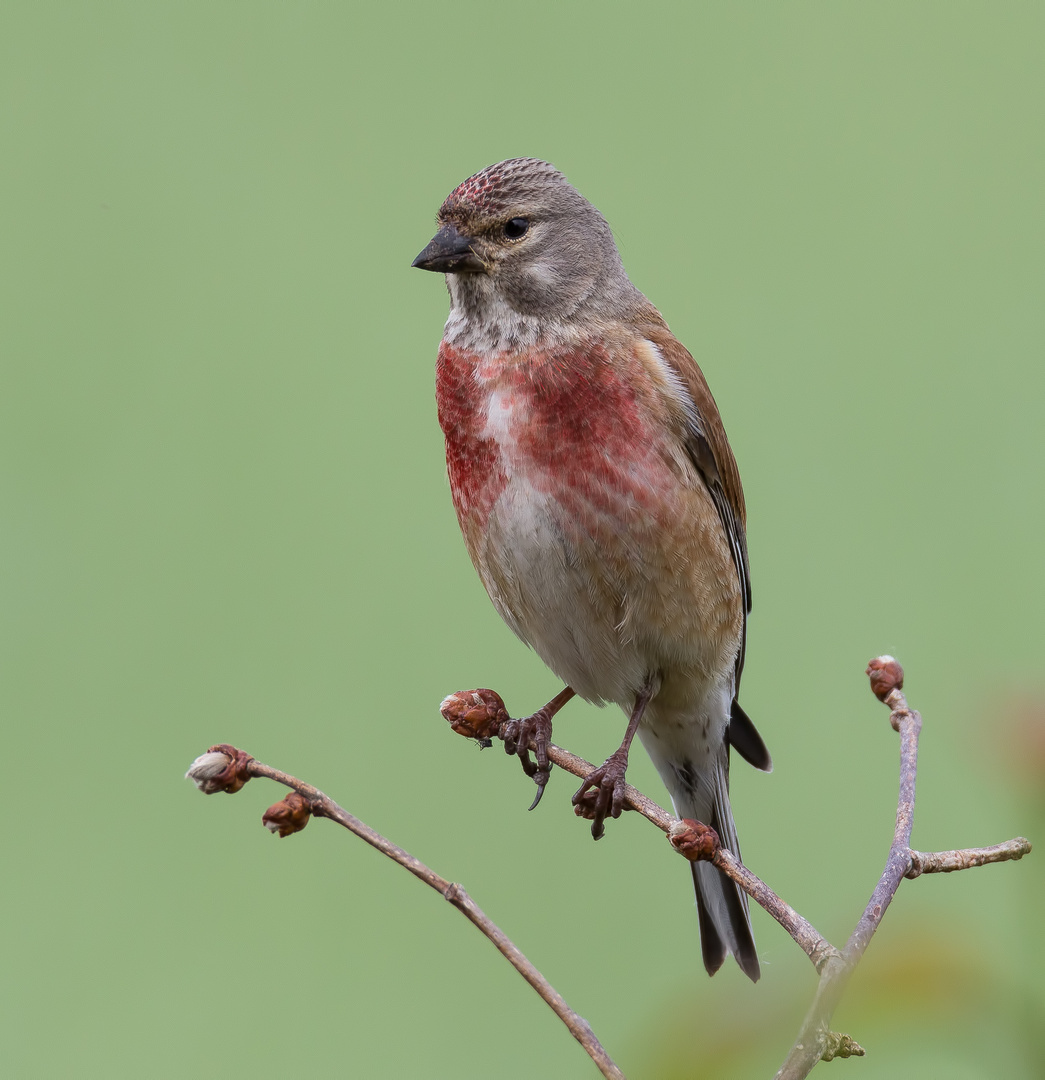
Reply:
x=449, y=253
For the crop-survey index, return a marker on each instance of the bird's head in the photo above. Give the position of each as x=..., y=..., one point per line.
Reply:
x=517, y=240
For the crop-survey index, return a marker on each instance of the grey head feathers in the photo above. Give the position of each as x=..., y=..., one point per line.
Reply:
x=536, y=254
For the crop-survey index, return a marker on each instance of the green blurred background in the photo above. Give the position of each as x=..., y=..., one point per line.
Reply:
x=225, y=518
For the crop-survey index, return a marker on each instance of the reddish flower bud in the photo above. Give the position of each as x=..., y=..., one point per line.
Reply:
x=693, y=839
x=289, y=815
x=886, y=675
x=475, y=714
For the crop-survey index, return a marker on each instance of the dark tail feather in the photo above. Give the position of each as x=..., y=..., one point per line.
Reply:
x=725, y=924
x=712, y=947
x=708, y=879
x=743, y=736
x=704, y=795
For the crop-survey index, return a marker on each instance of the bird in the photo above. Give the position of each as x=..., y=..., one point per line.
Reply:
x=599, y=501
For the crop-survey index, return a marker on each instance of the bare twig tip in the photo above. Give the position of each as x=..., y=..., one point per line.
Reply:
x=694, y=840
x=475, y=714
x=886, y=675
x=289, y=815
x=943, y=862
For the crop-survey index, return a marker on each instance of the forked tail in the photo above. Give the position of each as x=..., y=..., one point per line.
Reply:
x=725, y=924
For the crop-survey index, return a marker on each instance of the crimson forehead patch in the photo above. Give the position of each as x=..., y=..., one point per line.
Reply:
x=476, y=187
x=490, y=189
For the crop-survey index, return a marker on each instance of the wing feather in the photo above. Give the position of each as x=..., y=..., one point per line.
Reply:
x=709, y=450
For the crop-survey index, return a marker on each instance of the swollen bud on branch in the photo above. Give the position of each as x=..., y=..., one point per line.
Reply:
x=693, y=839
x=289, y=815
x=221, y=768
x=206, y=769
x=839, y=1045
x=886, y=675
x=475, y=714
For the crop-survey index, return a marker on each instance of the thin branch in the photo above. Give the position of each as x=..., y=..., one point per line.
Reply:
x=805, y=935
x=481, y=714
x=945, y=862
x=224, y=768
x=815, y=1041
x=909, y=725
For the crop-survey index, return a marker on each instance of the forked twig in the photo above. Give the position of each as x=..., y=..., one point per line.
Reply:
x=815, y=1040
x=481, y=714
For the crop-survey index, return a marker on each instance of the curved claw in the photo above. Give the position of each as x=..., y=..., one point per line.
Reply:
x=517, y=735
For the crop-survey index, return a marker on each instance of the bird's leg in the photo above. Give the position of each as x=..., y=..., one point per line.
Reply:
x=602, y=793
x=538, y=727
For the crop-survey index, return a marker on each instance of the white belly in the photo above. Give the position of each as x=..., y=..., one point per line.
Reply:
x=554, y=591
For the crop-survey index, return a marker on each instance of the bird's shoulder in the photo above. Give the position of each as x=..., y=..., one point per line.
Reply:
x=703, y=430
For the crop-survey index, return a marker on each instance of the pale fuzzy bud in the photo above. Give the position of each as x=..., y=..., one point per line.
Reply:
x=206, y=769
x=221, y=768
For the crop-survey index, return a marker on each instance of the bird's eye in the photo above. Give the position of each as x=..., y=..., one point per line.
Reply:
x=516, y=228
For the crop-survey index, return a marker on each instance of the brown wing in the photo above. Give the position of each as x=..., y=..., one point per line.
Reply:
x=709, y=450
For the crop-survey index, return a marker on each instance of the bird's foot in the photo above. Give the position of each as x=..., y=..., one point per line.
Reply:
x=602, y=793
x=517, y=736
